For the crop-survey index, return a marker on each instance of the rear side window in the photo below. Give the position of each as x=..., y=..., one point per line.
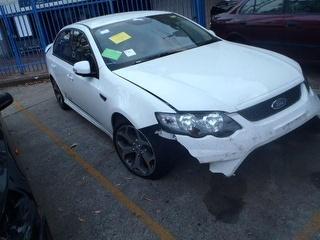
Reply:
x=62, y=46
x=263, y=7
x=268, y=7
x=303, y=6
x=248, y=7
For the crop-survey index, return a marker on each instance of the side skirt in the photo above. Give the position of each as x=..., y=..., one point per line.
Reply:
x=87, y=117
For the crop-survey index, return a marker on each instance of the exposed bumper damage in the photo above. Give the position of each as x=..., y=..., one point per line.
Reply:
x=226, y=154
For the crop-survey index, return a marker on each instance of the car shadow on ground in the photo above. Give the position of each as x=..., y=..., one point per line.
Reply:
x=290, y=159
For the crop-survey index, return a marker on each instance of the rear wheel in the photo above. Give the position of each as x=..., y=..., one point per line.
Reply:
x=59, y=96
x=138, y=154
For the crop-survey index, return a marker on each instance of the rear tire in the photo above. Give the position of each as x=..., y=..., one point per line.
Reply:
x=59, y=96
x=142, y=155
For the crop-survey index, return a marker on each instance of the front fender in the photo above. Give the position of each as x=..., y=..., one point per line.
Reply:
x=136, y=104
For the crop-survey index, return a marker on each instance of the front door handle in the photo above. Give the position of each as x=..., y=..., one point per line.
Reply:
x=70, y=76
x=103, y=97
x=53, y=65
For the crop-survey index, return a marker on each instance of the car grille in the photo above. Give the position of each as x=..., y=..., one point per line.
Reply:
x=265, y=109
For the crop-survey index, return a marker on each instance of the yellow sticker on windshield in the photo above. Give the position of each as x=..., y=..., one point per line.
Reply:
x=120, y=37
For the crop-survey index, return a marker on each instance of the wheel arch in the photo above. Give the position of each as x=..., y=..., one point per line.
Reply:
x=117, y=118
x=53, y=79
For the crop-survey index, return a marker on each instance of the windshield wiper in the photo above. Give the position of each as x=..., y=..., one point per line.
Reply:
x=159, y=55
x=213, y=40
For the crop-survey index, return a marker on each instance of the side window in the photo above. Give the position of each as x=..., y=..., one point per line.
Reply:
x=62, y=46
x=269, y=6
x=303, y=6
x=263, y=7
x=81, y=50
x=248, y=7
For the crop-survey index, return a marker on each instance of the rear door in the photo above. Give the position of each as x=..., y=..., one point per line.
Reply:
x=303, y=30
x=62, y=62
x=261, y=23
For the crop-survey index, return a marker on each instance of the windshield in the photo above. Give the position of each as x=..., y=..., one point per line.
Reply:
x=142, y=39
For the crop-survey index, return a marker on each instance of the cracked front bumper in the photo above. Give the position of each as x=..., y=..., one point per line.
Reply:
x=226, y=154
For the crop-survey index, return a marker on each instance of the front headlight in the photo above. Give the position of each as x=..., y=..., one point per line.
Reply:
x=306, y=83
x=197, y=124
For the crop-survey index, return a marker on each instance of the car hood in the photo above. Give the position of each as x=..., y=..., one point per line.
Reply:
x=220, y=76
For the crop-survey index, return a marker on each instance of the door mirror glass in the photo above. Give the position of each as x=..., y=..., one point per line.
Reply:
x=5, y=100
x=82, y=68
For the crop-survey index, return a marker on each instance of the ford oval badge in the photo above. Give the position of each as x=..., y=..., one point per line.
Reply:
x=279, y=103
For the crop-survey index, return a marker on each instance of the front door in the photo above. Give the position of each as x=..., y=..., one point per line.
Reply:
x=86, y=92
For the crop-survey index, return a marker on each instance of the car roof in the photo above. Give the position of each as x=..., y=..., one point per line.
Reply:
x=117, y=17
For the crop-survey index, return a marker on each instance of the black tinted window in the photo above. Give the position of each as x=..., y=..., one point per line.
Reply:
x=62, y=46
x=263, y=7
x=303, y=6
x=269, y=6
x=248, y=7
x=81, y=50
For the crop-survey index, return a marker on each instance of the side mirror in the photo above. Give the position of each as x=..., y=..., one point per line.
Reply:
x=82, y=68
x=5, y=100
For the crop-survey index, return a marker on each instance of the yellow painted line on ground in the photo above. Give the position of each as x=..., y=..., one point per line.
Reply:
x=310, y=229
x=153, y=225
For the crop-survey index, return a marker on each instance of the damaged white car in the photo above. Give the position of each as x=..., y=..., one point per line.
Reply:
x=157, y=83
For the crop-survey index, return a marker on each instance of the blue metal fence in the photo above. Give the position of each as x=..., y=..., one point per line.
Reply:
x=27, y=26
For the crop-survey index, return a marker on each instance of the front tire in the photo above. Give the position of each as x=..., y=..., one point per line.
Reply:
x=141, y=155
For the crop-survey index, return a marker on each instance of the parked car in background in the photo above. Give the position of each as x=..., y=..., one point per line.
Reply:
x=20, y=218
x=290, y=27
x=157, y=82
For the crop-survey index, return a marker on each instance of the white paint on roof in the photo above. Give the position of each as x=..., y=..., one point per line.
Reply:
x=117, y=17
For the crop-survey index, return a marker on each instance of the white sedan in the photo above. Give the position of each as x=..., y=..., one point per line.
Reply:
x=160, y=84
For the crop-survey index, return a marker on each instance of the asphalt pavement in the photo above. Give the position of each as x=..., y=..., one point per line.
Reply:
x=86, y=193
